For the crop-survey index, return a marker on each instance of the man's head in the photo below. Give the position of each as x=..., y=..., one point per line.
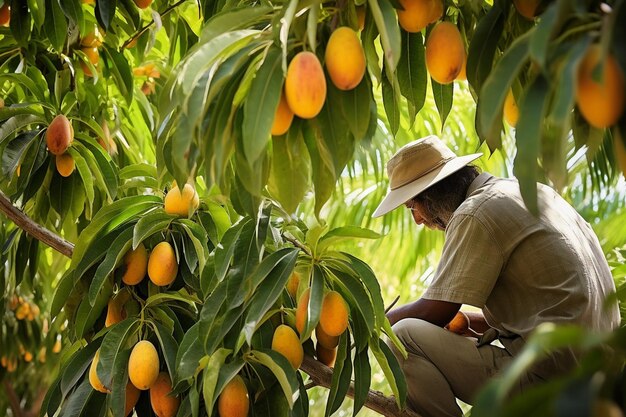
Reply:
x=434, y=207
x=417, y=167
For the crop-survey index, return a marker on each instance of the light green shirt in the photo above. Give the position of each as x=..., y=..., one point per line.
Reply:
x=522, y=270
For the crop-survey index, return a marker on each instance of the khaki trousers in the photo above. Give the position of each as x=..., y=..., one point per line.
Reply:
x=442, y=366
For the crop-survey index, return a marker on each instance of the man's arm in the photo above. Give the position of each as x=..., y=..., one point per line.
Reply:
x=434, y=311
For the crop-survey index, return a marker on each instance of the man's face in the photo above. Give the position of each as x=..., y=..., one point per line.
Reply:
x=421, y=215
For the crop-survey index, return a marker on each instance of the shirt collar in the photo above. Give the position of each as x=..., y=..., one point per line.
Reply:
x=478, y=182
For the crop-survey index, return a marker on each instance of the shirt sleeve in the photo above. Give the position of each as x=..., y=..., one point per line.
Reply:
x=470, y=264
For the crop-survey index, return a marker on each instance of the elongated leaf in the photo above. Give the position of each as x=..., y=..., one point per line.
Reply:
x=63, y=290
x=542, y=34
x=391, y=369
x=105, y=12
x=386, y=21
x=166, y=297
x=76, y=366
x=226, y=248
x=230, y=19
x=122, y=73
x=189, y=354
x=280, y=367
x=211, y=374
x=412, y=74
x=117, y=399
x=77, y=402
x=197, y=236
x=564, y=99
x=341, y=376
x=315, y=302
x=203, y=57
x=88, y=313
x=15, y=124
x=109, y=218
x=261, y=103
x=323, y=175
x=283, y=34
x=391, y=103
x=366, y=275
x=497, y=86
x=268, y=290
x=483, y=45
x=345, y=232
x=528, y=139
x=149, y=225
x=353, y=290
x=290, y=170
x=85, y=175
x=355, y=107
x=114, y=256
x=362, y=379
x=113, y=346
x=169, y=347
x=21, y=23
x=74, y=11
x=443, y=94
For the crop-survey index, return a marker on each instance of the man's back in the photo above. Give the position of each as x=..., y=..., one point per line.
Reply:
x=520, y=269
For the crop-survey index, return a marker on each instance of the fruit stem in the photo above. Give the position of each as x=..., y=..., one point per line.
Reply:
x=297, y=244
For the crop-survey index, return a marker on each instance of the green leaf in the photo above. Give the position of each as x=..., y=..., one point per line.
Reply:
x=226, y=248
x=211, y=374
x=391, y=369
x=283, y=34
x=169, y=346
x=528, y=140
x=20, y=24
x=74, y=11
x=106, y=172
x=105, y=12
x=189, y=354
x=367, y=276
x=115, y=342
x=386, y=21
x=63, y=290
x=164, y=297
x=77, y=403
x=339, y=234
x=122, y=73
x=113, y=257
x=152, y=223
x=412, y=74
x=391, y=102
x=368, y=38
x=311, y=25
x=260, y=105
x=266, y=288
x=205, y=54
x=362, y=379
x=499, y=82
x=355, y=107
x=443, y=95
x=231, y=19
x=139, y=170
x=88, y=313
x=116, y=401
x=542, y=34
x=15, y=124
x=316, y=297
x=109, y=218
x=85, y=174
x=323, y=174
x=76, y=366
x=483, y=45
x=290, y=170
x=55, y=24
x=342, y=373
x=352, y=289
x=280, y=367
x=197, y=235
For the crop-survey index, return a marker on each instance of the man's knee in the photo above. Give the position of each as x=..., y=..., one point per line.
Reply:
x=412, y=333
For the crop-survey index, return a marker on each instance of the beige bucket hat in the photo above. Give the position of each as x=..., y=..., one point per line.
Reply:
x=415, y=167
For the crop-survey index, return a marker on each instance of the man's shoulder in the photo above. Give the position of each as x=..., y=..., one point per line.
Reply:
x=494, y=194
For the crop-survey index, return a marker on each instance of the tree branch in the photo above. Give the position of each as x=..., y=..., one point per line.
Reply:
x=31, y=227
x=13, y=400
x=322, y=375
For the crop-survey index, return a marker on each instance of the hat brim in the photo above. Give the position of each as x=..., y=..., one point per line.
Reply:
x=400, y=195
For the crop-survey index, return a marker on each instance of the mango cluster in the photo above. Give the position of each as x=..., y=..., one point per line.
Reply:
x=333, y=322
x=143, y=374
x=304, y=91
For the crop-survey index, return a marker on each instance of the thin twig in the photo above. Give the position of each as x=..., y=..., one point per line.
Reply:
x=146, y=27
x=13, y=399
x=393, y=303
x=310, y=385
x=34, y=229
x=297, y=244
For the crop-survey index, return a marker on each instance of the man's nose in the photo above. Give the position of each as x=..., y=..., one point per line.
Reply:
x=417, y=218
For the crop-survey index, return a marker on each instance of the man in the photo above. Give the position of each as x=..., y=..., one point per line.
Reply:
x=521, y=270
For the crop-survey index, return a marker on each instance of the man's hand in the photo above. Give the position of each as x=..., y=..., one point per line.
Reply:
x=463, y=324
x=433, y=311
